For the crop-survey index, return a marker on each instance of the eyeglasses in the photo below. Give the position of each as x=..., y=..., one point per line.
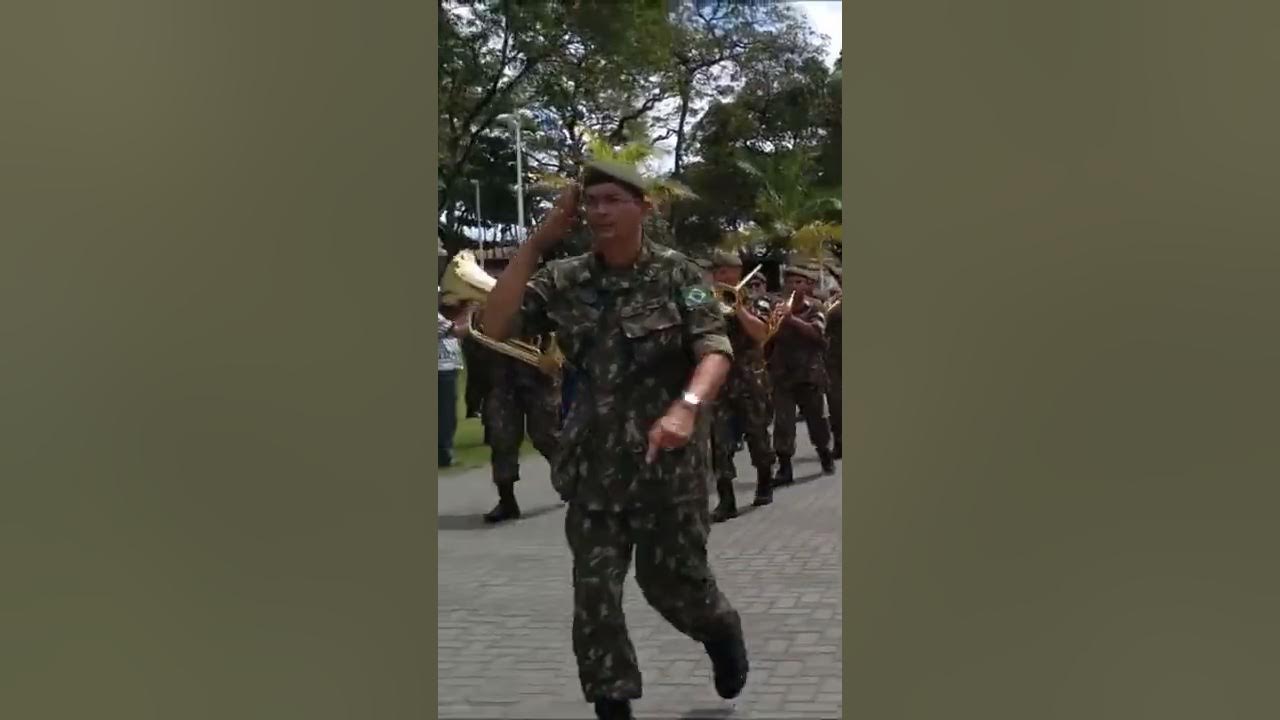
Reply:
x=606, y=202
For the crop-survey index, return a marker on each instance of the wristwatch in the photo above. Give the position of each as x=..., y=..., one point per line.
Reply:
x=691, y=400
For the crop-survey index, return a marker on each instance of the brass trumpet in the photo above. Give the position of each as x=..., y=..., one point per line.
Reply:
x=776, y=317
x=731, y=296
x=831, y=305
x=465, y=281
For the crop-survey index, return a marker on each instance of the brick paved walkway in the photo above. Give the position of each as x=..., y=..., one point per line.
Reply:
x=505, y=604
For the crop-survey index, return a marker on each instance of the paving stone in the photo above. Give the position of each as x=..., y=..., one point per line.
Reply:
x=505, y=607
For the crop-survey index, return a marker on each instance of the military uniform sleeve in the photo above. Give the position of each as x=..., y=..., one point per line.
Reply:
x=704, y=327
x=532, y=319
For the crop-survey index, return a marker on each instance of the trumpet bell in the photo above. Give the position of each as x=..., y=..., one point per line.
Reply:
x=730, y=297
x=774, y=324
x=465, y=281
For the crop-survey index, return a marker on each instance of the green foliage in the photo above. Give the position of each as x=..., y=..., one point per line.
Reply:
x=738, y=91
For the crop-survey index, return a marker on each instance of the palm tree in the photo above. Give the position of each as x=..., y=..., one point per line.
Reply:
x=791, y=215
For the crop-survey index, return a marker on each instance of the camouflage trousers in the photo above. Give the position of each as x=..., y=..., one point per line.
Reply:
x=670, y=547
x=511, y=409
x=744, y=398
x=834, y=408
x=809, y=398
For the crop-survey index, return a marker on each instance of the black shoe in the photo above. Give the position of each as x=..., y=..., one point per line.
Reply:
x=828, y=464
x=614, y=710
x=784, y=476
x=836, y=453
x=728, y=507
x=729, y=664
x=764, y=487
x=507, y=507
x=724, y=511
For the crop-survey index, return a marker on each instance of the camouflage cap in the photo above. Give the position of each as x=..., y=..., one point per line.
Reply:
x=808, y=270
x=614, y=171
x=725, y=258
x=703, y=263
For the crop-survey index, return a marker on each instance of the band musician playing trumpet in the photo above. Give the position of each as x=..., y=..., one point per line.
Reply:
x=522, y=392
x=797, y=369
x=744, y=395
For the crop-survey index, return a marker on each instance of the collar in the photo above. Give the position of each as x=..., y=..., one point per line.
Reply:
x=643, y=269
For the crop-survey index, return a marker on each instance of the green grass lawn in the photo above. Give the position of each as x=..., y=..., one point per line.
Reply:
x=469, y=450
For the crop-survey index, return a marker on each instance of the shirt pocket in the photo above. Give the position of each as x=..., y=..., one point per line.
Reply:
x=653, y=331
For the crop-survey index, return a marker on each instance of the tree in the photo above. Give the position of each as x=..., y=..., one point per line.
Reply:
x=791, y=213
x=489, y=53
x=727, y=82
x=718, y=43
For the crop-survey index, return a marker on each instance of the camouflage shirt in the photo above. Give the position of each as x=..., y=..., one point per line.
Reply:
x=795, y=358
x=632, y=337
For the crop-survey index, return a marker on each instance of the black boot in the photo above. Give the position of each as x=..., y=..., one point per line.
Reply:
x=828, y=464
x=507, y=507
x=729, y=664
x=836, y=453
x=614, y=710
x=764, y=486
x=728, y=507
x=784, y=476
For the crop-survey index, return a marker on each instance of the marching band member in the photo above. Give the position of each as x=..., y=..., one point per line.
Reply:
x=797, y=370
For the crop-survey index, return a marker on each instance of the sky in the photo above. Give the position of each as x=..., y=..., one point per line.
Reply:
x=826, y=18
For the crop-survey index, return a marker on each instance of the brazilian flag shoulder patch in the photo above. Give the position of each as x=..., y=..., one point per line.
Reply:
x=696, y=296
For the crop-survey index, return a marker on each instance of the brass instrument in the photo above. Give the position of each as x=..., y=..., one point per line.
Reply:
x=831, y=305
x=731, y=296
x=776, y=317
x=465, y=281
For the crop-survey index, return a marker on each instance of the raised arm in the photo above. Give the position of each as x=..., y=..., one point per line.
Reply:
x=505, y=298
x=813, y=329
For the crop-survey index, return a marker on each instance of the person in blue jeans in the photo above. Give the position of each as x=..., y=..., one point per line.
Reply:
x=448, y=365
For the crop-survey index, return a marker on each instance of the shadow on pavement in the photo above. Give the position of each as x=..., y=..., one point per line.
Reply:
x=707, y=713
x=802, y=479
x=475, y=521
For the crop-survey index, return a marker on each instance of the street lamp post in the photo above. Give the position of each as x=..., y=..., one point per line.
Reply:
x=519, y=182
x=515, y=124
x=479, y=221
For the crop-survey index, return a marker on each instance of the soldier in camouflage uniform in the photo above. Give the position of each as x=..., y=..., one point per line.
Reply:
x=646, y=336
x=834, y=408
x=743, y=397
x=758, y=291
x=520, y=398
x=797, y=369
